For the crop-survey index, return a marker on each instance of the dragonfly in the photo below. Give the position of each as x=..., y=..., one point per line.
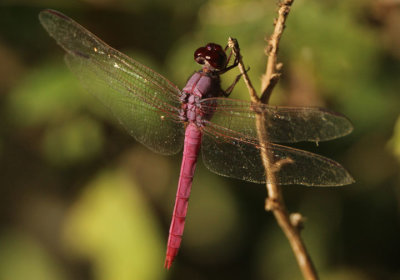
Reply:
x=164, y=118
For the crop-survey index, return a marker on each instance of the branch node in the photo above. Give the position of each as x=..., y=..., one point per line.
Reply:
x=271, y=204
x=271, y=83
x=297, y=220
x=268, y=49
x=280, y=163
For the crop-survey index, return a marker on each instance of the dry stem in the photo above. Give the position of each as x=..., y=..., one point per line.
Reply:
x=274, y=201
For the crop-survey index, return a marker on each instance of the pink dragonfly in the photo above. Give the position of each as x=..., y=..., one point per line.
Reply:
x=163, y=118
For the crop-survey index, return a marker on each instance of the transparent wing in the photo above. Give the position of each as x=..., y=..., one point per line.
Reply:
x=230, y=145
x=241, y=160
x=145, y=102
x=236, y=119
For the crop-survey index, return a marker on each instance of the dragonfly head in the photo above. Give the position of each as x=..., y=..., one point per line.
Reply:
x=212, y=57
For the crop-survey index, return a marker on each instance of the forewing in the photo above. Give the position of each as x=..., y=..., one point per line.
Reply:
x=236, y=118
x=145, y=102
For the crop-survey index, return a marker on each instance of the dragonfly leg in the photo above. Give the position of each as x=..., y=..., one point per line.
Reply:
x=228, y=91
x=226, y=69
x=229, y=58
x=234, y=64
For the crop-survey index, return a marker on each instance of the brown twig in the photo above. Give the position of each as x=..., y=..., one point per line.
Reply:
x=290, y=224
x=233, y=44
x=272, y=71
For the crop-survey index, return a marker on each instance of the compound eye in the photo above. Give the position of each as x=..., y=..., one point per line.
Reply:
x=214, y=47
x=218, y=59
x=213, y=54
x=200, y=55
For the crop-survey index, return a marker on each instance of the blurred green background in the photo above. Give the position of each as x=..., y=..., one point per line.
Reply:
x=80, y=199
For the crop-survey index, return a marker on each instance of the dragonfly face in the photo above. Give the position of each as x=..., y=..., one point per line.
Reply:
x=212, y=56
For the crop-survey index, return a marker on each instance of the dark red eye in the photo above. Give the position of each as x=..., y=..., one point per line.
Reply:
x=213, y=54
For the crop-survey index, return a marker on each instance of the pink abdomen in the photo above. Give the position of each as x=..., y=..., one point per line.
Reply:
x=190, y=152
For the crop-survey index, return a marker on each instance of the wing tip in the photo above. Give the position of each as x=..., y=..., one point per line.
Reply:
x=343, y=180
x=348, y=126
x=52, y=12
x=48, y=17
x=348, y=180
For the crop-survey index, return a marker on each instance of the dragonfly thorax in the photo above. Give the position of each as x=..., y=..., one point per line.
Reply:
x=199, y=86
